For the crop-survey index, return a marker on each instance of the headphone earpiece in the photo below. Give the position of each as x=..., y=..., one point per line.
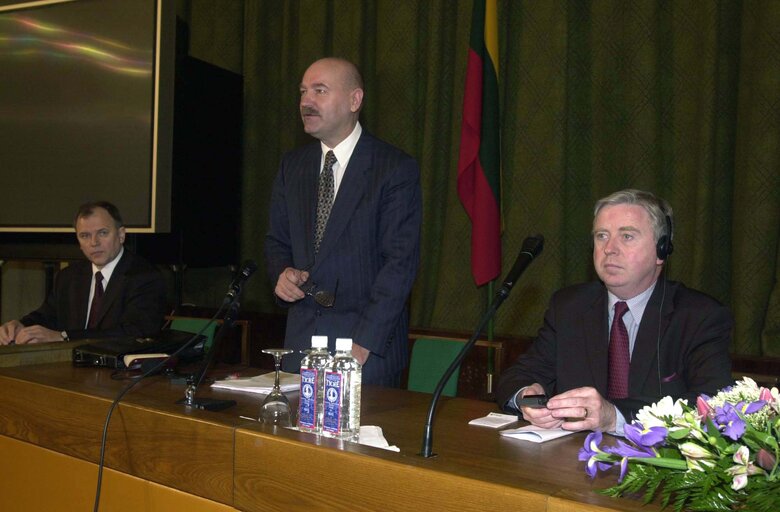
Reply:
x=664, y=246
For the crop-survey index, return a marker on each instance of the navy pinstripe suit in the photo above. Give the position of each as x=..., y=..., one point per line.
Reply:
x=369, y=253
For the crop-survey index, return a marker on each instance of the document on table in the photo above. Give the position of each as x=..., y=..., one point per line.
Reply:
x=535, y=434
x=262, y=384
x=494, y=420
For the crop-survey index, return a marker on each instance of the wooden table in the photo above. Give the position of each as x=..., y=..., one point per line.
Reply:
x=164, y=457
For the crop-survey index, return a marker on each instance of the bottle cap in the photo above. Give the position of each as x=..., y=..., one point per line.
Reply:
x=343, y=344
x=319, y=342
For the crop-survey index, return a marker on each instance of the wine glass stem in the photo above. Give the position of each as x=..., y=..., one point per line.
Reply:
x=276, y=377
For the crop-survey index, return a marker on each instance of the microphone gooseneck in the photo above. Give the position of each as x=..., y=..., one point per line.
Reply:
x=532, y=247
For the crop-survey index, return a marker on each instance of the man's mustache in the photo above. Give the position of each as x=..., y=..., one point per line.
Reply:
x=309, y=111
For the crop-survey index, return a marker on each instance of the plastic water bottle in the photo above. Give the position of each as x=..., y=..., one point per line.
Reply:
x=313, y=366
x=342, y=394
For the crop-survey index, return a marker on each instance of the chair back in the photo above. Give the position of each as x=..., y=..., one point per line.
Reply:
x=430, y=359
x=194, y=325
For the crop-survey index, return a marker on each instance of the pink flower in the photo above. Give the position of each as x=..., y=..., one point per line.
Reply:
x=765, y=459
x=704, y=409
x=743, y=469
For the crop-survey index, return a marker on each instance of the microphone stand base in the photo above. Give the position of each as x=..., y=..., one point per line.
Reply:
x=207, y=404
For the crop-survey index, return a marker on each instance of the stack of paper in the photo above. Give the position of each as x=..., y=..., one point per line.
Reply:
x=535, y=434
x=262, y=384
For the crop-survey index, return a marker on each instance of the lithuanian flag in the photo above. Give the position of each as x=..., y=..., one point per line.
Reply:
x=479, y=165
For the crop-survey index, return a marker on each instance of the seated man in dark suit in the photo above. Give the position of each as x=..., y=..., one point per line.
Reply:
x=114, y=293
x=608, y=348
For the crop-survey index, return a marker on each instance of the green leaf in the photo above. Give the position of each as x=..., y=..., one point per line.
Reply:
x=670, y=453
x=678, y=434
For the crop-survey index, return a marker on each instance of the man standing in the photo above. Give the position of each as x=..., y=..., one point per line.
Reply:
x=608, y=348
x=114, y=293
x=344, y=237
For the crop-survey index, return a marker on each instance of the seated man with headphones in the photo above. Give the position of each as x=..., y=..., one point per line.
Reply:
x=609, y=348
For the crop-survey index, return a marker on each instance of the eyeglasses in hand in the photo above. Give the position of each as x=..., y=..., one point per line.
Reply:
x=324, y=298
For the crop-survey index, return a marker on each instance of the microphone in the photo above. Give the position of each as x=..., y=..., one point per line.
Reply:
x=532, y=247
x=247, y=269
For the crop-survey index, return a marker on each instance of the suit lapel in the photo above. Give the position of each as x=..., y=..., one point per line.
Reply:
x=305, y=201
x=643, y=358
x=353, y=185
x=81, y=290
x=597, y=339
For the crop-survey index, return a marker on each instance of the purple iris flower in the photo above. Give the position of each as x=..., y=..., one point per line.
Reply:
x=646, y=438
x=626, y=450
x=750, y=407
x=590, y=451
x=729, y=420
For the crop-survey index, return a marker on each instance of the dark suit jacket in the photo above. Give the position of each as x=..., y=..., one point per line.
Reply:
x=368, y=256
x=133, y=305
x=571, y=350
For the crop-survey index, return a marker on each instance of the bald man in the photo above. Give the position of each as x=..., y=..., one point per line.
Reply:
x=343, y=242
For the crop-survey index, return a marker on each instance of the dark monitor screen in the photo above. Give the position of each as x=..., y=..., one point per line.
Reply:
x=85, y=111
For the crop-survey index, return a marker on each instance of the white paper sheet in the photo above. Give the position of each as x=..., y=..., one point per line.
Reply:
x=262, y=384
x=535, y=434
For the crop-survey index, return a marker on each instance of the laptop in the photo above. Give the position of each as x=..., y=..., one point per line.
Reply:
x=111, y=352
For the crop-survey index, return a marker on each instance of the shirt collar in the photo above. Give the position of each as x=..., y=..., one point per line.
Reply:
x=109, y=267
x=344, y=149
x=636, y=304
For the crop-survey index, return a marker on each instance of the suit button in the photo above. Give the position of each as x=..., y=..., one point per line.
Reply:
x=318, y=313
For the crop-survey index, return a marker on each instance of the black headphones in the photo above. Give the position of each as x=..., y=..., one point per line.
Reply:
x=664, y=246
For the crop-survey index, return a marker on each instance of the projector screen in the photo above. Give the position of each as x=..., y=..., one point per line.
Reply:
x=86, y=98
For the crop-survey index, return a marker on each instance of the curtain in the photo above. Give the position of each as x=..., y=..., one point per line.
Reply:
x=680, y=98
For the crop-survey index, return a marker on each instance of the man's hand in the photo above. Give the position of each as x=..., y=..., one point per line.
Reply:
x=287, y=286
x=37, y=334
x=360, y=353
x=9, y=330
x=539, y=416
x=583, y=409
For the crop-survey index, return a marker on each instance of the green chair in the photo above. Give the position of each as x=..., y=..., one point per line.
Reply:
x=430, y=359
x=194, y=325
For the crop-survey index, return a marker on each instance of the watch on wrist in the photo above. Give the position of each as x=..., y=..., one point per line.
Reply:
x=64, y=335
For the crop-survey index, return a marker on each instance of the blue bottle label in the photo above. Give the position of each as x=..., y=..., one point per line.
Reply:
x=331, y=421
x=307, y=410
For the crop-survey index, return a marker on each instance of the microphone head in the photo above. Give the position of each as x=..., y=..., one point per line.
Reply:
x=248, y=268
x=533, y=245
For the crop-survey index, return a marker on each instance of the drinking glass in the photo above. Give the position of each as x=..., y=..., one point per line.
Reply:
x=275, y=409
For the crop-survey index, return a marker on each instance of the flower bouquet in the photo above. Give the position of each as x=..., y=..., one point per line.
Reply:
x=721, y=455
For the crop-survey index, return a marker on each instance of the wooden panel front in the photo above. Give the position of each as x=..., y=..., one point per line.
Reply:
x=64, y=409
x=279, y=473
x=34, y=479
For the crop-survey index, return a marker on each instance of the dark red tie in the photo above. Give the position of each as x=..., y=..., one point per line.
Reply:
x=97, y=300
x=619, y=360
